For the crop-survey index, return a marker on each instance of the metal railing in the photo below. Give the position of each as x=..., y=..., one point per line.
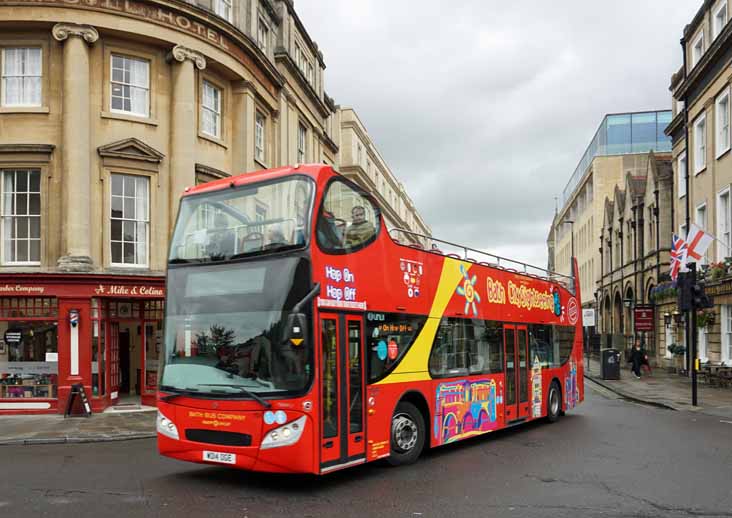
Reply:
x=465, y=253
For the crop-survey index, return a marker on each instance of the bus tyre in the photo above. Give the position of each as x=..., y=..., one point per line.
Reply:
x=554, y=403
x=407, y=434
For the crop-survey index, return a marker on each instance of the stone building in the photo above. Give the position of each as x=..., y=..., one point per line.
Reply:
x=109, y=109
x=700, y=133
x=619, y=146
x=359, y=160
x=635, y=239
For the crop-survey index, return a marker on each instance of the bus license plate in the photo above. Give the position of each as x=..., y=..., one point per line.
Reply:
x=216, y=456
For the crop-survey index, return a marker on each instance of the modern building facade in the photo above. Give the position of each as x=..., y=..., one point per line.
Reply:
x=109, y=109
x=703, y=170
x=619, y=147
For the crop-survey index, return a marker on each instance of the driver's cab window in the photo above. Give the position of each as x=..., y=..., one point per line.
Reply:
x=348, y=220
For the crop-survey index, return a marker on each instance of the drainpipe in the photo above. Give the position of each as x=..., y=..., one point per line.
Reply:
x=687, y=319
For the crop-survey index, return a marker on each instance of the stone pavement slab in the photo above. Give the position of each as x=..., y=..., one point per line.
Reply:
x=667, y=390
x=50, y=429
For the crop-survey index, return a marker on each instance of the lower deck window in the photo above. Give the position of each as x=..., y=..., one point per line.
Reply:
x=28, y=359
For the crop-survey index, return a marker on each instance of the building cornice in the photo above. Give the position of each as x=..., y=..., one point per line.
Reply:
x=290, y=5
x=706, y=65
x=676, y=124
x=36, y=149
x=186, y=18
x=211, y=171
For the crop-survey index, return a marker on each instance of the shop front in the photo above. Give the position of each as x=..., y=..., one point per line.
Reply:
x=103, y=332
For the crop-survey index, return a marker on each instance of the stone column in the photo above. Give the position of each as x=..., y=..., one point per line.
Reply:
x=76, y=145
x=241, y=131
x=183, y=126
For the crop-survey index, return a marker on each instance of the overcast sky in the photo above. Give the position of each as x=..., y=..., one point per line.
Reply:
x=483, y=108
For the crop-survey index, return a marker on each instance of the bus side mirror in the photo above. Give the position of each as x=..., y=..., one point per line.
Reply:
x=296, y=329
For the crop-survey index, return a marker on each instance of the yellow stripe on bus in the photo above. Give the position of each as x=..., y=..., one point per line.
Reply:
x=414, y=365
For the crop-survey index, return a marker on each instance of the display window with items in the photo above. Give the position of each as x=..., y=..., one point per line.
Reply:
x=28, y=348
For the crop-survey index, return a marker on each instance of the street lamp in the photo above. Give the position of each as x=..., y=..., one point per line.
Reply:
x=678, y=316
x=667, y=319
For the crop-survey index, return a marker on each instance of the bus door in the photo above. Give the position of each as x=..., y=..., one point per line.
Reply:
x=342, y=440
x=516, y=348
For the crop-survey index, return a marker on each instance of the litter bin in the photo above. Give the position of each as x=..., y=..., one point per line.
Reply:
x=610, y=364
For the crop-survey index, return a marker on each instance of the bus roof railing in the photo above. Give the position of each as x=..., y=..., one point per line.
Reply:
x=465, y=253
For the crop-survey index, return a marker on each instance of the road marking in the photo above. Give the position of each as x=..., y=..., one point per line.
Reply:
x=725, y=422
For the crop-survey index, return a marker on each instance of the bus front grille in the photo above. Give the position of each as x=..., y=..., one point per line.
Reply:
x=220, y=438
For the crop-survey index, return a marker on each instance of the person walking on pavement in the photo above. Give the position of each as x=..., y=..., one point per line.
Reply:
x=636, y=358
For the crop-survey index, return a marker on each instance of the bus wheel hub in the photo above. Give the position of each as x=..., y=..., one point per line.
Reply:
x=404, y=432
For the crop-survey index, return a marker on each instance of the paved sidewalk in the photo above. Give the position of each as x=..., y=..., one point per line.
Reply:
x=666, y=390
x=54, y=429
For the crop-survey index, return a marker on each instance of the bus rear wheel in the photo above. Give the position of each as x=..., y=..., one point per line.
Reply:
x=554, y=403
x=407, y=434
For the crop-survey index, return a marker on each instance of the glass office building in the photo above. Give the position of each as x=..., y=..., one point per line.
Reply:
x=623, y=134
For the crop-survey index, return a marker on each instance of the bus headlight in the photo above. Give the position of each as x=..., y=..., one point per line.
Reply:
x=167, y=427
x=285, y=435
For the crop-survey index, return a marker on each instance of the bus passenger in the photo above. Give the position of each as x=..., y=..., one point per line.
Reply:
x=222, y=239
x=275, y=238
x=360, y=230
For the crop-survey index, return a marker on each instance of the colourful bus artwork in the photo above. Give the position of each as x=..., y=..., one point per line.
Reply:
x=571, y=391
x=464, y=408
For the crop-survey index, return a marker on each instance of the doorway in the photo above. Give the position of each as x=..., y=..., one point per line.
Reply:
x=516, y=347
x=342, y=390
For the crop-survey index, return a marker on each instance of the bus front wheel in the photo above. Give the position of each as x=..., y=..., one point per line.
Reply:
x=554, y=403
x=407, y=434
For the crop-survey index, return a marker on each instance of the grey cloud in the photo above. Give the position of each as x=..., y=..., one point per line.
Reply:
x=484, y=110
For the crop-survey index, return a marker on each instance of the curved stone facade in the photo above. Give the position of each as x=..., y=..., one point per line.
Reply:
x=166, y=90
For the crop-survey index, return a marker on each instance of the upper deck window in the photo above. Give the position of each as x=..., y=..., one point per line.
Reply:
x=250, y=219
x=348, y=220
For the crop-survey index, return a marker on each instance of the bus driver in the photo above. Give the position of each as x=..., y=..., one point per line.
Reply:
x=360, y=230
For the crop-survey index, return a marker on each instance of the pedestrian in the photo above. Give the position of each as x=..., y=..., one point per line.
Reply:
x=636, y=358
x=645, y=363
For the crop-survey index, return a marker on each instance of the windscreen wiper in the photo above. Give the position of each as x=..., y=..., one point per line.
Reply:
x=241, y=388
x=176, y=392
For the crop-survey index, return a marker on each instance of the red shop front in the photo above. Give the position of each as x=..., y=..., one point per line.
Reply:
x=102, y=331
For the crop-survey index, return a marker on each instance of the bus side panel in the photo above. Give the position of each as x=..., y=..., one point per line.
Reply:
x=466, y=407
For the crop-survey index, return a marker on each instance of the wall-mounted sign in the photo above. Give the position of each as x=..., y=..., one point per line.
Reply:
x=588, y=317
x=13, y=336
x=643, y=318
x=22, y=289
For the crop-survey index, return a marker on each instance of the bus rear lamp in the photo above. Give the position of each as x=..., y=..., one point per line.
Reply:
x=166, y=427
x=285, y=435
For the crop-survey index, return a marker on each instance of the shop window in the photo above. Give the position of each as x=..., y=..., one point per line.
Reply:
x=348, y=220
x=153, y=344
x=29, y=348
x=390, y=335
x=99, y=327
x=124, y=310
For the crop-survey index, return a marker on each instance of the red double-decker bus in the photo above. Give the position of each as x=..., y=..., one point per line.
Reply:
x=302, y=336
